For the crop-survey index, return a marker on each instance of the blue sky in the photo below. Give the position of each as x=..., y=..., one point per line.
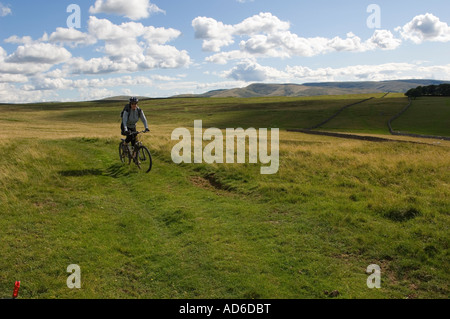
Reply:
x=162, y=48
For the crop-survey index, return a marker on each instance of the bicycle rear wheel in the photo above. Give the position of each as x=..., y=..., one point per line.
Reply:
x=145, y=159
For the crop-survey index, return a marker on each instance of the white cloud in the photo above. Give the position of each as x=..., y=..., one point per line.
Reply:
x=285, y=44
x=101, y=65
x=10, y=93
x=22, y=40
x=88, y=94
x=31, y=59
x=13, y=78
x=3, y=54
x=351, y=43
x=160, y=35
x=215, y=34
x=127, y=92
x=156, y=56
x=132, y=9
x=115, y=82
x=42, y=83
x=56, y=81
x=4, y=10
x=23, y=68
x=43, y=53
x=383, y=39
x=72, y=37
x=382, y=72
x=221, y=85
x=426, y=27
x=45, y=86
x=26, y=39
x=56, y=73
x=268, y=36
x=122, y=40
x=165, y=57
x=224, y=57
x=42, y=67
x=130, y=47
x=187, y=87
x=264, y=22
x=164, y=78
x=249, y=71
x=103, y=29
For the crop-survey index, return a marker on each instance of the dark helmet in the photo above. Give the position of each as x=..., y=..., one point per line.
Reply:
x=134, y=100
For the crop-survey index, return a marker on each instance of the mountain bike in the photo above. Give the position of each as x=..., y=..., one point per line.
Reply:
x=139, y=154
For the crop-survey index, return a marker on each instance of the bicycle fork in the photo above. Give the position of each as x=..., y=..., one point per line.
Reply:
x=132, y=152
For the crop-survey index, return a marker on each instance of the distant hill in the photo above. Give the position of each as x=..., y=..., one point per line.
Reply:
x=314, y=89
x=123, y=98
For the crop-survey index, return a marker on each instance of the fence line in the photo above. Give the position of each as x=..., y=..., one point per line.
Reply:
x=339, y=112
x=411, y=134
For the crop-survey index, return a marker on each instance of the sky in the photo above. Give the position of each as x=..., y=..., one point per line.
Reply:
x=85, y=50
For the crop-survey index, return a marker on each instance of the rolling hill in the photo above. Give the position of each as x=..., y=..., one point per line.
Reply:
x=315, y=89
x=124, y=98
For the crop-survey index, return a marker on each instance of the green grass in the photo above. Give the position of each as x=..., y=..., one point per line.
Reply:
x=368, y=117
x=282, y=112
x=427, y=115
x=219, y=231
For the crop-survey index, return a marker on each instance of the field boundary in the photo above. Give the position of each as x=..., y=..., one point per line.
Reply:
x=339, y=112
x=351, y=136
x=411, y=134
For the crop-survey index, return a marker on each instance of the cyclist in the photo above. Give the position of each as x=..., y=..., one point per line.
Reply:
x=131, y=115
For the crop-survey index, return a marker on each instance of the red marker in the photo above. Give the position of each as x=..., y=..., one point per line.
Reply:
x=16, y=290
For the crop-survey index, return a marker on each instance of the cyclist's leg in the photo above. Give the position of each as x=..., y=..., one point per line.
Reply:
x=127, y=142
x=132, y=140
x=122, y=132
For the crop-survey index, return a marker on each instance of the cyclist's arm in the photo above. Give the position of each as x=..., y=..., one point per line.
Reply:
x=144, y=120
x=125, y=120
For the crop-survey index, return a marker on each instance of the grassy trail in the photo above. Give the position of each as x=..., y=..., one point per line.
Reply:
x=147, y=236
x=171, y=234
x=217, y=231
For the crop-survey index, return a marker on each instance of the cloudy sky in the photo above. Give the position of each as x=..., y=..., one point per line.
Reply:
x=82, y=50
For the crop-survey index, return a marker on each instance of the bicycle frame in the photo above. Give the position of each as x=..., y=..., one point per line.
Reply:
x=137, y=154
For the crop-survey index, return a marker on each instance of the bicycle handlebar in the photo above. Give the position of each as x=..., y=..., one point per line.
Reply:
x=137, y=133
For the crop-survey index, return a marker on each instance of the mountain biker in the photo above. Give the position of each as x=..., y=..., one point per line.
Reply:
x=131, y=115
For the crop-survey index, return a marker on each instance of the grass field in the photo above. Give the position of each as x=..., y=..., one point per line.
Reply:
x=223, y=230
x=369, y=117
x=421, y=117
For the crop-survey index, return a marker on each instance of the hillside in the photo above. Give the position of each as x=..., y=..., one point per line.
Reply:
x=123, y=98
x=315, y=89
x=224, y=231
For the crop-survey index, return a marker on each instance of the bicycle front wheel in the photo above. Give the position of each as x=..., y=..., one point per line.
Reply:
x=122, y=154
x=145, y=159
